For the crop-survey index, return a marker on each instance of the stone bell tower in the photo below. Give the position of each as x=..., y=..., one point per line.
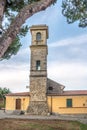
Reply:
x=38, y=70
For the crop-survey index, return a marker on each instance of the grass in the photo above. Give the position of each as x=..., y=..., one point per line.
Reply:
x=2, y=105
x=26, y=124
x=82, y=126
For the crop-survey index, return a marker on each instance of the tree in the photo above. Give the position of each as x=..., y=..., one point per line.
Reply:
x=75, y=10
x=26, y=10
x=17, y=11
x=3, y=92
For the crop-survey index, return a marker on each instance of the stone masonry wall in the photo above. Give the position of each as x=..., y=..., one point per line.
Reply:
x=38, y=78
x=56, y=87
x=38, y=108
x=38, y=88
x=38, y=53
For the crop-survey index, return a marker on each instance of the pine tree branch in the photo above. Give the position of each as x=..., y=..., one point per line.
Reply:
x=24, y=14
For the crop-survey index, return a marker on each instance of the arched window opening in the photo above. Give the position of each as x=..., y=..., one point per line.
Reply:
x=38, y=65
x=38, y=36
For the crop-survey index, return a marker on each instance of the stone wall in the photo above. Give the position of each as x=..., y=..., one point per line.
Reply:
x=38, y=88
x=54, y=87
x=38, y=108
x=38, y=77
x=38, y=53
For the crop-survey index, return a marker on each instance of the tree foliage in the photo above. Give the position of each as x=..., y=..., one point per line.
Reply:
x=4, y=91
x=75, y=10
x=13, y=9
x=16, y=44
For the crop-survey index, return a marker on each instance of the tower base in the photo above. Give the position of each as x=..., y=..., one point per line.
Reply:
x=38, y=108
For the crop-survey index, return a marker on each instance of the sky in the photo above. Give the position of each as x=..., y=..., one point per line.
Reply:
x=67, y=56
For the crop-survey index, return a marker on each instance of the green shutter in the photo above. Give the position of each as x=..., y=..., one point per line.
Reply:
x=69, y=102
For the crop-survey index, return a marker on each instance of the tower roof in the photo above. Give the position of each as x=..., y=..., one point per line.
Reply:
x=40, y=27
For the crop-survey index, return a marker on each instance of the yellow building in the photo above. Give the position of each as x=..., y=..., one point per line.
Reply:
x=17, y=101
x=46, y=96
x=69, y=102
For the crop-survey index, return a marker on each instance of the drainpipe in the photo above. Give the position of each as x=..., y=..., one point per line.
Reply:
x=51, y=105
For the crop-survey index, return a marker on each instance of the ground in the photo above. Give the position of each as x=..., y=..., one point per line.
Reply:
x=28, y=124
x=10, y=121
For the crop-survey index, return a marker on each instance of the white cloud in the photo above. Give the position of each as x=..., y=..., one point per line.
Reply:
x=70, y=41
x=15, y=78
x=72, y=75
x=14, y=73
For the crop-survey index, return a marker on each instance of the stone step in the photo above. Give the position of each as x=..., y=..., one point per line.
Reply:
x=18, y=112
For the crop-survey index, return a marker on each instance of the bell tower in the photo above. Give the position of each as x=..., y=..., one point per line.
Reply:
x=38, y=70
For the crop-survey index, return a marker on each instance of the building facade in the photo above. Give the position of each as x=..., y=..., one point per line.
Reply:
x=46, y=96
x=69, y=102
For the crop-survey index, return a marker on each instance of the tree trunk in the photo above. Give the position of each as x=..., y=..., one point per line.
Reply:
x=2, y=7
x=24, y=14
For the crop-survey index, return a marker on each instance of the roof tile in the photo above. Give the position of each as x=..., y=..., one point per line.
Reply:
x=19, y=94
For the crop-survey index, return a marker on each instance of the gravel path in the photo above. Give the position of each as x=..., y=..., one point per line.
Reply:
x=82, y=119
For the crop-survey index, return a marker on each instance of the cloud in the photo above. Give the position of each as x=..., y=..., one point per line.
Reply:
x=22, y=58
x=82, y=39
x=70, y=49
x=16, y=78
x=14, y=73
x=72, y=75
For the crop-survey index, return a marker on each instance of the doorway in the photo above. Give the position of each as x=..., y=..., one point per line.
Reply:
x=18, y=104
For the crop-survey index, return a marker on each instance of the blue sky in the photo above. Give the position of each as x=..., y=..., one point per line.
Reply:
x=67, y=56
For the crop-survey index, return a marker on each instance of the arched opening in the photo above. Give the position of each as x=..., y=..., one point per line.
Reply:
x=38, y=36
x=38, y=65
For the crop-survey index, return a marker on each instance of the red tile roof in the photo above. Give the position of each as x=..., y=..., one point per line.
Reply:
x=75, y=92
x=71, y=93
x=65, y=93
x=19, y=94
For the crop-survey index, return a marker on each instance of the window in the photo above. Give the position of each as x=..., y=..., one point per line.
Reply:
x=69, y=102
x=38, y=36
x=50, y=88
x=38, y=65
x=83, y=104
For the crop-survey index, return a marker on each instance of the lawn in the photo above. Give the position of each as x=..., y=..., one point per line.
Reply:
x=25, y=124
